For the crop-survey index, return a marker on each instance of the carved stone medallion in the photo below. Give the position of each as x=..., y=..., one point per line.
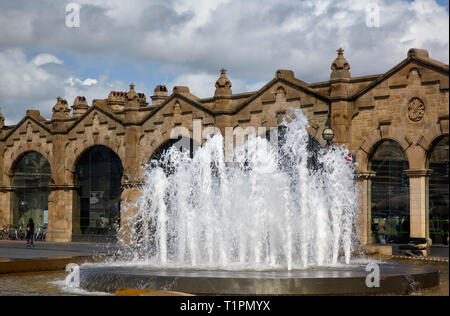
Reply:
x=416, y=110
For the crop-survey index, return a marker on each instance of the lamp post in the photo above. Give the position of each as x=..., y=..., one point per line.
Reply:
x=328, y=135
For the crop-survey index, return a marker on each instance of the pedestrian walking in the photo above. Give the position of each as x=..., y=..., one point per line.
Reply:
x=30, y=233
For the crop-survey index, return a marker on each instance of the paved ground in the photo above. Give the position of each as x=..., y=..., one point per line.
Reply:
x=16, y=250
x=439, y=252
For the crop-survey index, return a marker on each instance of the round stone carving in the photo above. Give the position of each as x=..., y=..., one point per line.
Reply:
x=416, y=110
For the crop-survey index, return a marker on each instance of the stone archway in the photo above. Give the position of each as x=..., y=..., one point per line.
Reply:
x=30, y=177
x=99, y=171
x=389, y=194
x=385, y=132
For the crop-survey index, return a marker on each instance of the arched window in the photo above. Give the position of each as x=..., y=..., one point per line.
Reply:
x=438, y=191
x=390, y=194
x=30, y=184
x=99, y=172
x=183, y=144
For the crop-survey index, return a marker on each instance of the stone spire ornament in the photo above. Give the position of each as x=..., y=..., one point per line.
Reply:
x=132, y=93
x=80, y=106
x=223, y=85
x=133, y=98
x=61, y=109
x=340, y=67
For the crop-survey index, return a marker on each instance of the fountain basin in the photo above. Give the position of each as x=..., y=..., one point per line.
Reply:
x=342, y=280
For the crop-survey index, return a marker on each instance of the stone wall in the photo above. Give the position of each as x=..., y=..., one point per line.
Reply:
x=408, y=104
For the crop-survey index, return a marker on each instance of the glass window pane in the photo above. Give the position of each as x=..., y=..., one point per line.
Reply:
x=99, y=173
x=390, y=194
x=438, y=192
x=30, y=183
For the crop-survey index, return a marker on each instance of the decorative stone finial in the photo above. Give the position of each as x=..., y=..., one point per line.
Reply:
x=416, y=52
x=61, y=109
x=132, y=93
x=340, y=67
x=223, y=84
x=80, y=106
x=160, y=94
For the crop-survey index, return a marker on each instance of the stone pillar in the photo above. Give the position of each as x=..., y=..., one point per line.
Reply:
x=5, y=190
x=364, y=221
x=128, y=210
x=76, y=211
x=5, y=206
x=62, y=195
x=419, y=220
x=61, y=202
x=132, y=168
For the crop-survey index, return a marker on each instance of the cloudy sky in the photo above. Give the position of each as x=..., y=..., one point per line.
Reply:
x=186, y=42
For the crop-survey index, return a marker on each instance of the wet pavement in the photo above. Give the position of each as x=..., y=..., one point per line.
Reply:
x=443, y=268
x=16, y=250
x=39, y=284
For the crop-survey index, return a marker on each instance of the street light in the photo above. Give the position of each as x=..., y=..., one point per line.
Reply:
x=328, y=135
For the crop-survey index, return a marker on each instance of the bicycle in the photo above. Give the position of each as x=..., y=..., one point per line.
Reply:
x=41, y=233
x=22, y=233
x=4, y=233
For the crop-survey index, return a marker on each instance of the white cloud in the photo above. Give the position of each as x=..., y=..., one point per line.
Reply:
x=192, y=39
x=43, y=59
x=24, y=84
x=255, y=37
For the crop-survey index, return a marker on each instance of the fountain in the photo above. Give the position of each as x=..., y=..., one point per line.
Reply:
x=266, y=222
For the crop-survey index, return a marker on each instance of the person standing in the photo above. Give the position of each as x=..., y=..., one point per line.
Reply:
x=30, y=233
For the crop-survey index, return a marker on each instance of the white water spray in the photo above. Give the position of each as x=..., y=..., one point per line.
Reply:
x=267, y=211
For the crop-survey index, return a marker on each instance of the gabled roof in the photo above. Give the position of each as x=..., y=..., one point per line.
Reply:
x=293, y=82
x=27, y=117
x=424, y=61
x=187, y=97
x=101, y=109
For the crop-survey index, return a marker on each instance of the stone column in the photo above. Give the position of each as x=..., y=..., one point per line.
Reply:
x=132, y=168
x=5, y=206
x=364, y=221
x=418, y=179
x=128, y=211
x=62, y=195
x=60, y=205
x=5, y=189
x=340, y=123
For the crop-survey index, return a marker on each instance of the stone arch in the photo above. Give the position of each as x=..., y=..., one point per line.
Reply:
x=89, y=143
x=390, y=196
x=429, y=138
x=30, y=178
x=16, y=156
x=315, y=131
x=162, y=136
x=165, y=144
x=384, y=132
x=99, y=176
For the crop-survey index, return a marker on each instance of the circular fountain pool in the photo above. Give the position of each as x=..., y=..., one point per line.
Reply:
x=341, y=280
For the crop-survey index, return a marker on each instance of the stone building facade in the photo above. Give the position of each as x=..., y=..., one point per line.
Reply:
x=408, y=105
